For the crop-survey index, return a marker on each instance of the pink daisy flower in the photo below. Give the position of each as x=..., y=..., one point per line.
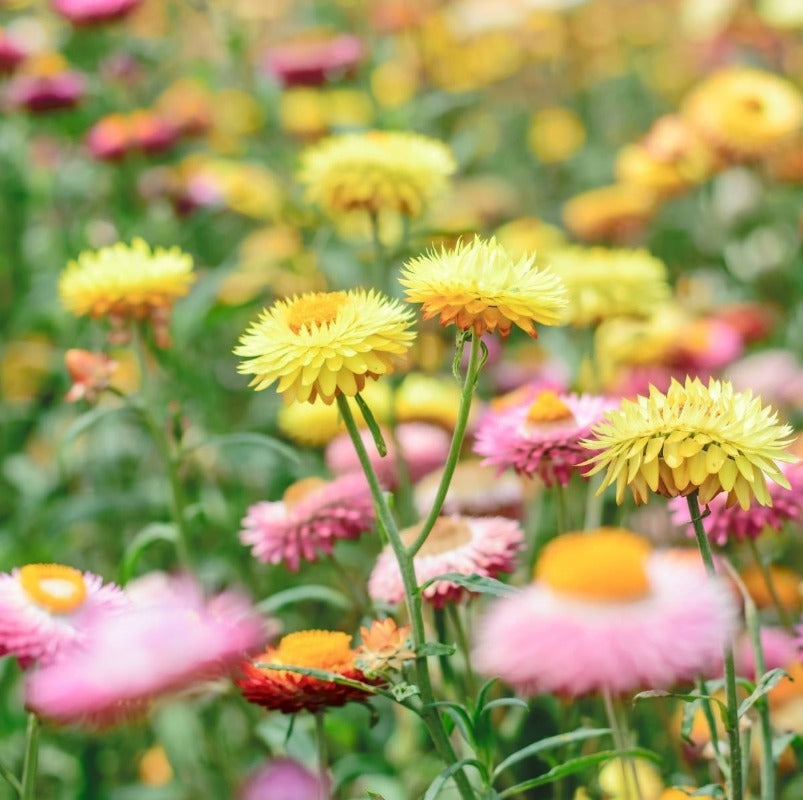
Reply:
x=485, y=546
x=308, y=520
x=284, y=779
x=780, y=649
x=312, y=62
x=606, y=613
x=541, y=435
x=46, y=607
x=167, y=640
x=41, y=93
x=423, y=446
x=93, y=12
x=724, y=524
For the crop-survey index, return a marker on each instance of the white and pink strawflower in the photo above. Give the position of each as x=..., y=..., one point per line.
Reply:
x=540, y=434
x=311, y=517
x=46, y=607
x=484, y=546
x=284, y=779
x=169, y=639
x=607, y=613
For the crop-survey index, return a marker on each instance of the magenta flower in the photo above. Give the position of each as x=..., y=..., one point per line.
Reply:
x=11, y=53
x=284, y=779
x=169, y=639
x=780, y=650
x=41, y=93
x=541, y=435
x=311, y=517
x=485, y=546
x=93, y=12
x=312, y=62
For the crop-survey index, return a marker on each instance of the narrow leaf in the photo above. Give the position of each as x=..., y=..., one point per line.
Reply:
x=373, y=425
x=298, y=594
x=154, y=532
x=769, y=680
x=437, y=785
x=245, y=438
x=474, y=583
x=428, y=649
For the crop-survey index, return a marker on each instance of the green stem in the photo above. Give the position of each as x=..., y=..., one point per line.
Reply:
x=766, y=574
x=734, y=739
x=323, y=753
x=559, y=493
x=10, y=778
x=463, y=410
x=462, y=642
x=169, y=461
x=439, y=616
x=412, y=597
x=619, y=742
x=31, y=758
x=708, y=713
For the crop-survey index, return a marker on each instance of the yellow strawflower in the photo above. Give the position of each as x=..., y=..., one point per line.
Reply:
x=694, y=437
x=376, y=171
x=322, y=344
x=605, y=283
x=125, y=280
x=480, y=285
x=609, y=213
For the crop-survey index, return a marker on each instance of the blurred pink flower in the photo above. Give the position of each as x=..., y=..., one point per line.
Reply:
x=423, y=446
x=485, y=546
x=41, y=93
x=311, y=62
x=92, y=12
x=308, y=520
x=167, y=640
x=707, y=344
x=780, y=650
x=11, y=53
x=775, y=375
x=284, y=779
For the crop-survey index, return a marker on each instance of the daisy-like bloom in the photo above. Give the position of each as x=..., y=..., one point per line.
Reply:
x=724, y=524
x=384, y=646
x=284, y=779
x=93, y=12
x=109, y=138
x=46, y=83
x=478, y=285
x=615, y=213
x=322, y=344
x=485, y=546
x=474, y=491
x=309, y=62
x=745, y=112
x=168, y=639
x=541, y=435
x=376, y=171
x=606, y=613
x=423, y=447
x=12, y=54
x=125, y=281
x=44, y=608
x=308, y=520
x=287, y=691
x=605, y=283
x=693, y=438
x=90, y=373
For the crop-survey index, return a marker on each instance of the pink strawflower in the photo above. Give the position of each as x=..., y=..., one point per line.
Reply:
x=485, y=546
x=707, y=344
x=780, y=650
x=12, y=54
x=45, y=608
x=606, y=612
x=423, y=446
x=541, y=435
x=311, y=62
x=170, y=638
x=41, y=93
x=93, y=12
x=284, y=779
x=724, y=524
x=311, y=517
x=775, y=375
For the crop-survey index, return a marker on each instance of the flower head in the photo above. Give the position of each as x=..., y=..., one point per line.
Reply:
x=376, y=171
x=479, y=286
x=44, y=608
x=311, y=517
x=125, y=280
x=485, y=546
x=46, y=83
x=322, y=344
x=427, y=398
x=541, y=434
x=606, y=612
x=605, y=283
x=612, y=213
x=284, y=779
x=693, y=438
x=169, y=638
x=310, y=61
x=288, y=691
x=90, y=373
x=92, y=12
x=384, y=646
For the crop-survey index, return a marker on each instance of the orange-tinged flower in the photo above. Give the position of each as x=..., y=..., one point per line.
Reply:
x=90, y=373
x=609, y=213
x=384, y=646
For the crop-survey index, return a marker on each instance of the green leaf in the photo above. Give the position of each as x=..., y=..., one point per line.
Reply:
x=482, y=695
x=550, y=743
x=689, y=715
x=576, y=765
x=659, y=694
x=248, y=439
x=307, y=592
x=780, y=743
x=769, y=680
x=460, y=716
x=503, y=702
x=86, y=421
x=437, y=785
x=428, y=649
x=143, y=539
x=709, y=790
x=373, y=426
x=401, y=691
x=474, y=583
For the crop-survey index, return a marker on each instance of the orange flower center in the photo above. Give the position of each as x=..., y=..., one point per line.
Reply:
x=548, y=407
x=328, y=650
x=298, y=491
x=54, y=587
x=314, y=310
x=448, y=533
x=608, y=564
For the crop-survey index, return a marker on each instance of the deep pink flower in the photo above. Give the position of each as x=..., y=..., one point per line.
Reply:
x=167, y=640
x=93, y=12
x=308, y=521
x=312, y=62
x=541, y=435
x=41, y=93
x=109, y=139
x=284, y=779
x=775, y=375
x=485, y=546
x=11, y=53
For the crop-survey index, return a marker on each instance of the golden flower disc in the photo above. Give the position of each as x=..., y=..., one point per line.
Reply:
x=548, y=407
x=54, y=587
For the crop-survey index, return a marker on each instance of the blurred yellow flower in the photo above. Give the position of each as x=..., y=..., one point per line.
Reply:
x=154, y=767
x=394, y=83
x=617, y=780
x=609, y=213
x=347, y=108
x=555, y=134
x=302, y=112
x=527, y=235
x=235, y=115
x=428, y=398
x=24, y=366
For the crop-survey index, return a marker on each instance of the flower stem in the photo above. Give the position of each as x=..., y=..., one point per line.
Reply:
x=619, y=742
x=462, y=642
x=463, y=410
x=559, y=493
x=404, y=558
x=31, y=759
x=10, y=778
x=734, y=739
x=323, y=753
x=766, y=574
